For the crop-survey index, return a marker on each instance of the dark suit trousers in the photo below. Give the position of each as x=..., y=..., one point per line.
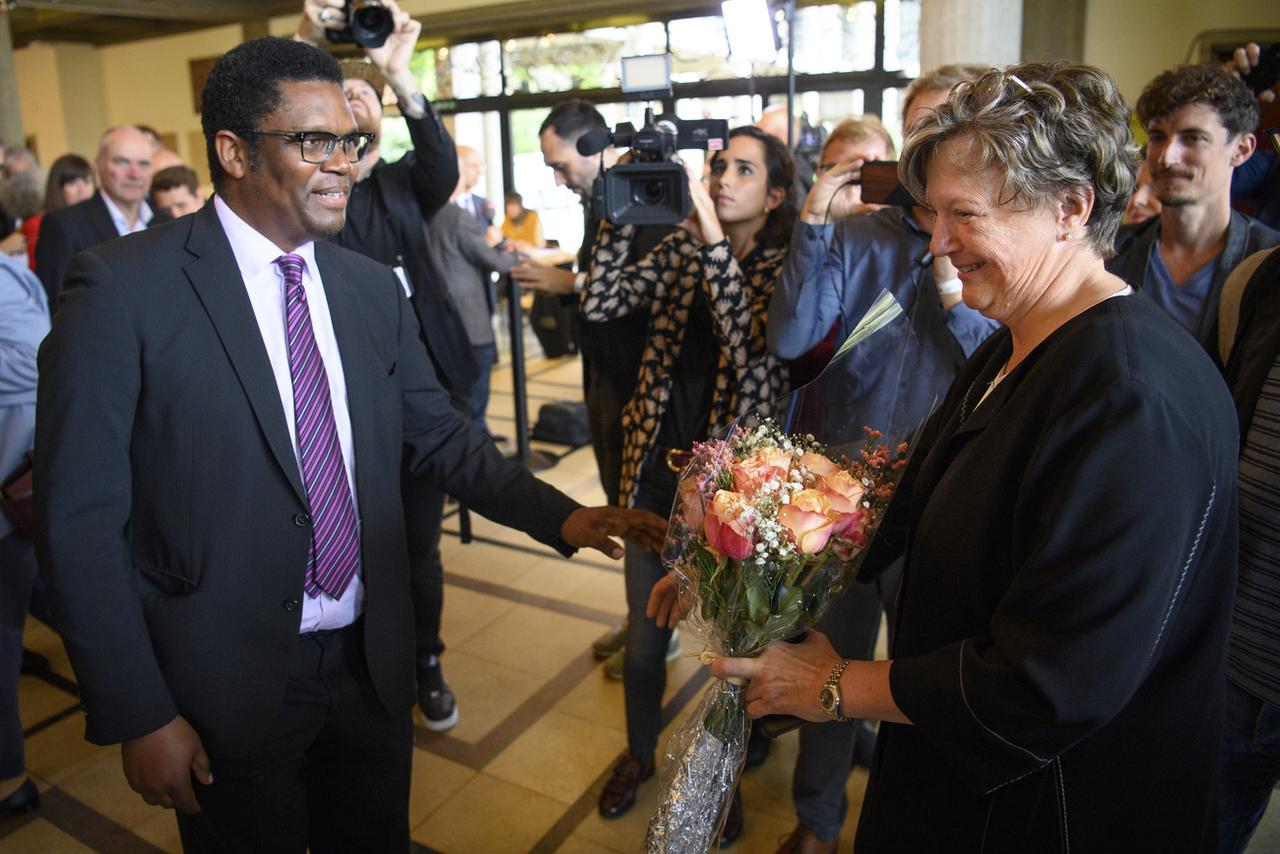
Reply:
x=644, y=668
x=333, y=773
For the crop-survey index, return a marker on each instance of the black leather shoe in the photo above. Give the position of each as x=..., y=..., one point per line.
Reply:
x=619, y=793
x=25, y=800
x=733, y=821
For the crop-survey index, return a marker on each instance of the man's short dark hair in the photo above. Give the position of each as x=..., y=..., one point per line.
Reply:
x=174, y=177
x=1236, y=106
x=571, y=119
x=245, y=86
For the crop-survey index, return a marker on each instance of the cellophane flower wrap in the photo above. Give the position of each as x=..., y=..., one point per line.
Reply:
x=770, y=523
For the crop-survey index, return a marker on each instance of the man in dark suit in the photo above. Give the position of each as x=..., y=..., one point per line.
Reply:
x=119, y=207
x=227, y=403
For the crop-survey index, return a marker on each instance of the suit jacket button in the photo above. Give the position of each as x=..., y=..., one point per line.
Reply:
x=291, y=604
x=302, y=520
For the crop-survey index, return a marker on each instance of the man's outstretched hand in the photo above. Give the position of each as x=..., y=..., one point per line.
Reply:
x=594, y=528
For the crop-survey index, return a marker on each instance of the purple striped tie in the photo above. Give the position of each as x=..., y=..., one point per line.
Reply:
x=334, y=556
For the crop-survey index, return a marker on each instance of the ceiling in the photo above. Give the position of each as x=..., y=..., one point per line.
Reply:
x=104, y=22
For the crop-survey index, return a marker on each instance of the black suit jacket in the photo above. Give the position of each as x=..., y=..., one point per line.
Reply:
x=68, y=231
x=173, y=534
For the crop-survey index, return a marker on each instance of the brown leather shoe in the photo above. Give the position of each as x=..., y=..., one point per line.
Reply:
x=733, y=821
x=619, y=793
x=803, y=841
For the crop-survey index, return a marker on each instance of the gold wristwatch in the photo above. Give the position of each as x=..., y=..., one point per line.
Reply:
x=829, y=697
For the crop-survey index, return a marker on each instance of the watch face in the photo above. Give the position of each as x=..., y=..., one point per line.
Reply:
x=827, y=699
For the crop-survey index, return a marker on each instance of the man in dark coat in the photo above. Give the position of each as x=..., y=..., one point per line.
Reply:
x=118, y=208
x=226, y=405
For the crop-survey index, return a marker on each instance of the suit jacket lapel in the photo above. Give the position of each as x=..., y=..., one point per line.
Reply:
x=103, y=224
x=350, y=329
x=217, y=282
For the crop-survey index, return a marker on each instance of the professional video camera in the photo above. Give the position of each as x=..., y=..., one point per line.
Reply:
x=369, y=23
x=652, y=189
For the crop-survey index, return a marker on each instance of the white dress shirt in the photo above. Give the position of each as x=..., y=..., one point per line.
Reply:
x=121, y=221
x=256, y=257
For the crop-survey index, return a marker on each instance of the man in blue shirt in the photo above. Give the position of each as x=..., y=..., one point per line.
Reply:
x=1200, y=121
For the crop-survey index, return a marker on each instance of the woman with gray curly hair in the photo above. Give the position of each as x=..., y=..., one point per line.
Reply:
x=1068, y=517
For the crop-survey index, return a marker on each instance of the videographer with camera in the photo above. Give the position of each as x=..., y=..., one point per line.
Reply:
x=388, y=213
x=704, y=290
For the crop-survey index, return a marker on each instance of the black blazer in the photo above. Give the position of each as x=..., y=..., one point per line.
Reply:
x=1062, y=620
x=64, y=233
x=173, y=534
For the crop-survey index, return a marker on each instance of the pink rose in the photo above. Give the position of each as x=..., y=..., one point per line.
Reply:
x=843, y=489
x=847, y=524
x=818, y=464
x=729, y=525
x=766, y=464
x=809, y=519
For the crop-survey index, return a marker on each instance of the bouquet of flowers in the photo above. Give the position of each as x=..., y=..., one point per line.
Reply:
x=769, y=525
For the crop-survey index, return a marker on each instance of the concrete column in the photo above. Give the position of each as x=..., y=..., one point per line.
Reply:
x=10, y=109
x=1052, y=30
x=986, y=31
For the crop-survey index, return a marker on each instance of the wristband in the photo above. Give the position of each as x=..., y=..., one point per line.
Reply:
x=949, y=287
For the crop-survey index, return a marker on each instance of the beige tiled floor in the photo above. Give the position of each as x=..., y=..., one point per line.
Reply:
x=540, y=725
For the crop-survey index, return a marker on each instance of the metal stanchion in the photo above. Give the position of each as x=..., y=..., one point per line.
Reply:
x=532, y=460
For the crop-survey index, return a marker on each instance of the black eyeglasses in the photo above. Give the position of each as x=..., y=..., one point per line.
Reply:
x=317, y=146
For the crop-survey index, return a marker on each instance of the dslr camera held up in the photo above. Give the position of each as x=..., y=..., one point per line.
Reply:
x=653, y=188
x=369, y=23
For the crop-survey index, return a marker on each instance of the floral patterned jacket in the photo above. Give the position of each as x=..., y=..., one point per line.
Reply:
x=664, y=283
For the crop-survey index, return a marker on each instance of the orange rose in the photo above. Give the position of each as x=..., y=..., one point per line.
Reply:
x=809, y=519
x=729, y=525
x=843, y=489
x=818, y=464
x=766, y=464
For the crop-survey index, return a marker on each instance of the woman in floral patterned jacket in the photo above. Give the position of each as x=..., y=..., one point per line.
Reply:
x=706, y=289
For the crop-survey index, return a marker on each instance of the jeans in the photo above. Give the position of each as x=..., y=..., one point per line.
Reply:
x=19, y=584
x=423, y=521
x=1250, y=766
x=644, y=672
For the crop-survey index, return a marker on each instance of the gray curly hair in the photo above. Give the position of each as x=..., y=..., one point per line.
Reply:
x=1048, y=128
x=22, y=195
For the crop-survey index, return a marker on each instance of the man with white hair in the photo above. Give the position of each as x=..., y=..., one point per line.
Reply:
x=119, y=207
